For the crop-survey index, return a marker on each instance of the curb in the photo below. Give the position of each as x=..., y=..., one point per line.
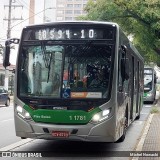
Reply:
x=16, y=145
x=143, y=136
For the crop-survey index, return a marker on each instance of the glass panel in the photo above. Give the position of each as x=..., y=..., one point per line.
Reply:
x=87, y=71
x=40, y=73
x=148, y=71
x=65, y=71
x=147, y=82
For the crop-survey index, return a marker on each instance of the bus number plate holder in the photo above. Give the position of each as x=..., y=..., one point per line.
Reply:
x=63, y=134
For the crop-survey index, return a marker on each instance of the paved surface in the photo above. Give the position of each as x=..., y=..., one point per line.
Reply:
x=148, y=147
x=149, y=144
x=152, y=142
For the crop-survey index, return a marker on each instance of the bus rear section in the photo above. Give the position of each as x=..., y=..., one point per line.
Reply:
x=149, y=84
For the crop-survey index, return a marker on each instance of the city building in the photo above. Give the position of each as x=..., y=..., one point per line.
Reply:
x=49, y=11
x=68, y=10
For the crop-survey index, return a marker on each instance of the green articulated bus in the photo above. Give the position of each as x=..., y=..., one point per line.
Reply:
x=79, y=80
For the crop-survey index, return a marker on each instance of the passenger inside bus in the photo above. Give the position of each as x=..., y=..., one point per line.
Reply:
x=99, y=78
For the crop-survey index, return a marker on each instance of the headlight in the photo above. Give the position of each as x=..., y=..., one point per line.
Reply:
x=19, y=109
x=150, y=94
x=23, y=113
x=99, y=117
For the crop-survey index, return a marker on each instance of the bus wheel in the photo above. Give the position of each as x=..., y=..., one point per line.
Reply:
x=121, y=139
x=139, y=115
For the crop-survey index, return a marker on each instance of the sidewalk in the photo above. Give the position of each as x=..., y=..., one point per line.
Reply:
x=150, y=139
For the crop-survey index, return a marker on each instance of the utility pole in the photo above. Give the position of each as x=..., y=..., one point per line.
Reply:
x=9, y=19
x=31, y=12
x=44, y=14
x=8, y=36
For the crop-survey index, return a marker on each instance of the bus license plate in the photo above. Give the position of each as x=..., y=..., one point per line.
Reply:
x=63, y=134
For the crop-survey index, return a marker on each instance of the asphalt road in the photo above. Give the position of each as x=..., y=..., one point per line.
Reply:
x=66, y=149
x=7, y=130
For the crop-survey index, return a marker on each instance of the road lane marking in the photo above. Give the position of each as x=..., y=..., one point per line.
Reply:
x=15, y=145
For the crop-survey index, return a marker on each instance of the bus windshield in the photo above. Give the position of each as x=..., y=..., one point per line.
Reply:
x=148, y=82
x=65, y=71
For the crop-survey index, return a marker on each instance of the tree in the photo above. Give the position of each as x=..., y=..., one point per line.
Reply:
x=138, y=18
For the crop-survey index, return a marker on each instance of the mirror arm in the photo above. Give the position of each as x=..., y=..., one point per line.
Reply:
x=6, y=54
x=12, y=40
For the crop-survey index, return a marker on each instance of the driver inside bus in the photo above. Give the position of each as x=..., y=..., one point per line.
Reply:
x=100, y=79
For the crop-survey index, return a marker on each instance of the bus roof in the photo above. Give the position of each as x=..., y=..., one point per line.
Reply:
x=135, y=51
x=48, y=24
x=72, y=22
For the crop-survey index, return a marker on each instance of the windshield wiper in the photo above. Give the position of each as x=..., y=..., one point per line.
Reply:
x=47, y=59
x=78, y=50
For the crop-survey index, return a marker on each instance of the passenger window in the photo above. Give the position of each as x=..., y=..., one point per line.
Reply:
x=120, y=80
x=121, y=69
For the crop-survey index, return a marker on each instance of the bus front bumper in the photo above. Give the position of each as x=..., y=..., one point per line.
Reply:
x=149, y=98
x=102, y=132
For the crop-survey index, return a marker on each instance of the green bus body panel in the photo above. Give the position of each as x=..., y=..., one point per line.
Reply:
x=61, y=116
x=145, y=94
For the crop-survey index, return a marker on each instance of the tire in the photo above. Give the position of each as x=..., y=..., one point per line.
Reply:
x=122, y=138
x=7, y=103
x=139, y=113
x=138, y=117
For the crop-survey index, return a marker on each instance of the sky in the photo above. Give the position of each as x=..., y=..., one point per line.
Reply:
x=17, y=25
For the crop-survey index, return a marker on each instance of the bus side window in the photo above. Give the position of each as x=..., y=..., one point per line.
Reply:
x=124, y=63
x=123, y=74
x=121, y=69
x=120, y=79
x=155, y=78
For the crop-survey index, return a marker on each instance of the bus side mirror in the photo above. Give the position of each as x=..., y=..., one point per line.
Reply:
x=124, y=48
x=6, y=55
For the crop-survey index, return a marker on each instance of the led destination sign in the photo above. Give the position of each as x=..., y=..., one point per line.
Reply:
x=69, y=33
